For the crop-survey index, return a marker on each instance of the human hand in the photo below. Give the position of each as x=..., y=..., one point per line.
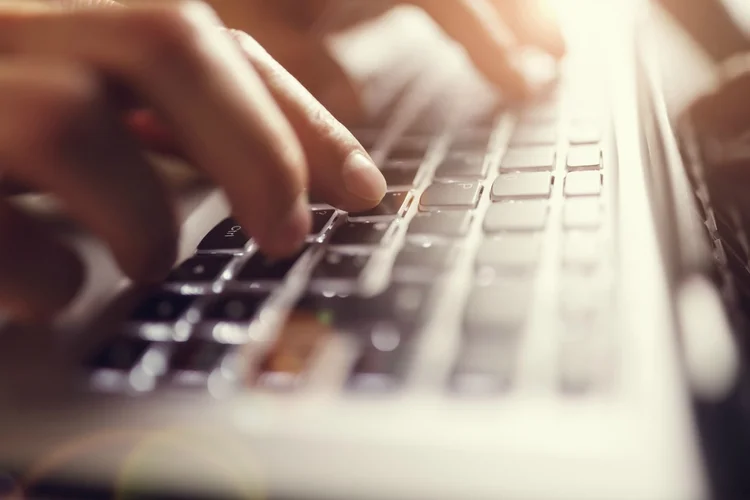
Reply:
x=293, y=31
x=67, y=78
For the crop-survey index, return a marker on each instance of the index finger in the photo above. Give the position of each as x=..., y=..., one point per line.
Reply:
x=477, y=26
x=197, y=80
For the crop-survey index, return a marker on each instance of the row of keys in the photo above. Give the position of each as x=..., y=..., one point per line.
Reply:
x=534, y=134
x=229, y=236
x=544, y=158
x=382, y=326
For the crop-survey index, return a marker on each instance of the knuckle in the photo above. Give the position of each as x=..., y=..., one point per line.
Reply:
x=167, y=35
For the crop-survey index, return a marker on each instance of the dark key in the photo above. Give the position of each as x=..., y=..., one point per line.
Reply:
x=360, y=233
x=392, y=204
x=239, y=307
x=472, y=166
x=522, y=159
x=520, y=216
x=584, y=157
x=122, y=353
x=522, y=186
x=500, y=310
x=451, y=195
x=321, y=218
x=261, y=268
x=162, y=307
x=534, y=135
x=451, y=223
x=402, y=304
x=198, y=356
x=200, y=269
x=483, y=367
x=227, y=235
x=380, y=365
x=410, y=148
x=399, y=176
x=341, y=266
x=432, y=256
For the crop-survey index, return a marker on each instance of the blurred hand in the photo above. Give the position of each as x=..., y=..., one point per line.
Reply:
x=293, y=32
x=67, y=79
x=725, y=113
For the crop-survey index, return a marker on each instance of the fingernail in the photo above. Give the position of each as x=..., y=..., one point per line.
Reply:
x=362, y=178
x=292, y=231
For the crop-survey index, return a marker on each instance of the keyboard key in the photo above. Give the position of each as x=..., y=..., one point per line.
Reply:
x=304, y=333
x=378, y=367
x=399, y=176
x=401, y=164
x=261, y=268
x=451, y=195
x=393, y=204
x=337, y=265
x=498, y=311
x=519, y=216
x=541, y=158
x=583, y=133
x=198, y=356
x=122, y=353
x=581, y=249
x=517, y=250
x=463, y=165
x=403, y=304
x=522, y=186
x=584, y=157
x=162, y=307
x=583, y=184
x=410, y=148
x=360, y=233
x=235, y=307
x=452, y=224
x=483, y=368
x=534, y=135
x=227, y=235
x=582, y=213
x=200, y=269
x=320, y=220
x=430, y=256
x=471, y=141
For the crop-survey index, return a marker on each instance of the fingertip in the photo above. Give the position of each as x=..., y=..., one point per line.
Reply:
x=362, y=179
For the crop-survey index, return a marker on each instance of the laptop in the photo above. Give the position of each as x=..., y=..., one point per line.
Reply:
x=533, y=312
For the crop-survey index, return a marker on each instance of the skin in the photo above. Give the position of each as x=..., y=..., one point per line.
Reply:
x=87, y=88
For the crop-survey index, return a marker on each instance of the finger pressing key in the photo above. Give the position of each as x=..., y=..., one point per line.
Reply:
x=341, y=171
x=204, y=90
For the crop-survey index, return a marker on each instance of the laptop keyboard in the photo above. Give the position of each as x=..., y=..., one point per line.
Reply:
x=503, y=222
